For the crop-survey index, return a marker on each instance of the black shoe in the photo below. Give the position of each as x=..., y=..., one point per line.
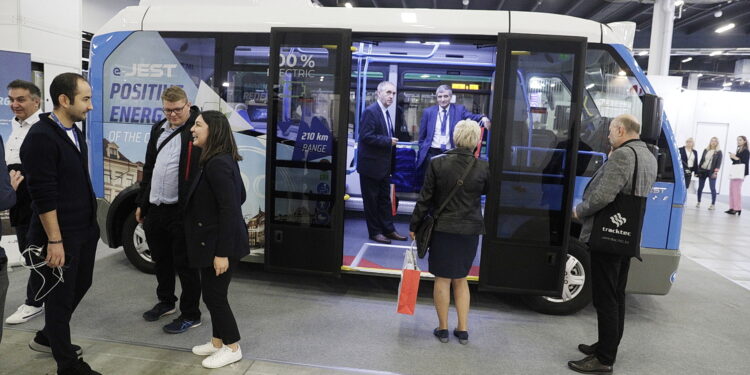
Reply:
x=396, y=236
x=441, y=334
x=159, y=310
x=181, y=325
x=730, y=211
x=738, y=212
x=79, y=368
x=40, y=344
x=463, y=336
x=590, y=365
x=380, y=238
x=587, y=349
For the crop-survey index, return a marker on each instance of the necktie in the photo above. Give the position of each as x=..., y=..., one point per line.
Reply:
x=390, y=124
x=443, y=128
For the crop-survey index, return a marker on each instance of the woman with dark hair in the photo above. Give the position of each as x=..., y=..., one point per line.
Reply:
x=216, y=232
x=708, y=168
x=735, y=183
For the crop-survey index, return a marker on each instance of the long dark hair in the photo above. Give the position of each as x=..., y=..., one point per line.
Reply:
x=220, y=138
x=743, y=147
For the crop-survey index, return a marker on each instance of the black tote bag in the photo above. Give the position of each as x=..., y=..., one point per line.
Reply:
x=617, y=227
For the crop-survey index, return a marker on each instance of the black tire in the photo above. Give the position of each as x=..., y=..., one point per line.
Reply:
x=581, y=295
x=140, y=259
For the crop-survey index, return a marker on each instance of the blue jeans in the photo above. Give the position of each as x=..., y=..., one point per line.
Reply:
x=711, y=185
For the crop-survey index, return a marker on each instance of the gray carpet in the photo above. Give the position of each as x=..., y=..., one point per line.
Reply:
x=701, y=327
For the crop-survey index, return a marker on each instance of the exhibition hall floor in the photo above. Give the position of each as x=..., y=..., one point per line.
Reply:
x=292, y=324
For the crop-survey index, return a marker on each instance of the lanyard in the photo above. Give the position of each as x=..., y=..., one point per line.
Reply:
x=54, y=118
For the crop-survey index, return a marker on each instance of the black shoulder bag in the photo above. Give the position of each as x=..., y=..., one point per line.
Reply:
x=424, y=232
x=617, y=227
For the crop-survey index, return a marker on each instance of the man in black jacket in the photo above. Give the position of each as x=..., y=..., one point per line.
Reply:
x=54, y=156
x=8, y=185
x=171, y=163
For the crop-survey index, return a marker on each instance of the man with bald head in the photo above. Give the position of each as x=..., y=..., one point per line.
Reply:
x=609, y=271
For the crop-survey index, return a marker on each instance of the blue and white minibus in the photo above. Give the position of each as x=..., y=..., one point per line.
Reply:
x=293, y=79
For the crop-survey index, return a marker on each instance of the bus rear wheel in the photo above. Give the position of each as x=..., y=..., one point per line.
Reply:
x=576, y=286
x=135, y=245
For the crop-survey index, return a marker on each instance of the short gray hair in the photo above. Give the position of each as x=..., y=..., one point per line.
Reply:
x=444, y=88
x=381, y=85
x=466, y=134
x=628, y=123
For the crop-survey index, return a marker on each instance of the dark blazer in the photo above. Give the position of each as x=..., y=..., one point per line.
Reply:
x=744, y=157
x=684, y=158
x=7, y=195
x=456, y=113
x=463, y=214
x=374, y=150
x=214, y=225
x=188, y=166
x=715, y=162
x=57, y=175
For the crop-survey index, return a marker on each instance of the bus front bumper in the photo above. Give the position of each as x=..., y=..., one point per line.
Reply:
x=657, y=272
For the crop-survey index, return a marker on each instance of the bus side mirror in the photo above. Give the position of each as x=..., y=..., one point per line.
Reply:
x=652, y=115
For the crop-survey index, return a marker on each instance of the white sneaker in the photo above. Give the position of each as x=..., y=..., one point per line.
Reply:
x=711, y=207
x=222, y=357
x=698, y=205
x=205, y=349
x=24, y=314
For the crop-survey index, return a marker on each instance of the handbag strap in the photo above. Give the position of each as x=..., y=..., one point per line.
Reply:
x=459, y=183
x=635, y=171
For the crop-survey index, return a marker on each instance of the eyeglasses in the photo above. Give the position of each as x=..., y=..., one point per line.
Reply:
x=176, y=111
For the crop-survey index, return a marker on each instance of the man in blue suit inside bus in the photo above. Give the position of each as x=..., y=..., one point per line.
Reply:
x=375, y=151
x=436, y=127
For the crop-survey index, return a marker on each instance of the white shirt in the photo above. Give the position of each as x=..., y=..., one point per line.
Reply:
x=17, y=135
x=439, y=140
x=691, y=158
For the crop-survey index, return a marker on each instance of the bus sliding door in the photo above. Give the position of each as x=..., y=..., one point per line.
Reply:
x=532, y=164
x=309, y=73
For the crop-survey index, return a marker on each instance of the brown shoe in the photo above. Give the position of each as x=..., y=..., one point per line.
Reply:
x=396, y=236
x=380, y=238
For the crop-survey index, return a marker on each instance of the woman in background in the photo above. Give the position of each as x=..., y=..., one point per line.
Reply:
x=709, y=169
x=216, y=232
x=735, y=184
x=453, y=246
x=689, y=160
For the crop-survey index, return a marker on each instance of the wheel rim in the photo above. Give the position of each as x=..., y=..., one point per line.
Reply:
x=575, y=277
x=141, y=246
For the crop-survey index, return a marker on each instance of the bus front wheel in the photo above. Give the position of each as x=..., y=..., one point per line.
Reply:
x=135, y=245
x=576, y=286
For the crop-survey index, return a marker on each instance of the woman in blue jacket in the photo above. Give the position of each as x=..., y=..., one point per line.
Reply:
x=216, y=232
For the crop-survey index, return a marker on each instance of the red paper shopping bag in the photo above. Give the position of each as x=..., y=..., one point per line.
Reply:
x=407, y=291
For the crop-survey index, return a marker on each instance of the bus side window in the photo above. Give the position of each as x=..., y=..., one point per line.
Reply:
x=665, y=169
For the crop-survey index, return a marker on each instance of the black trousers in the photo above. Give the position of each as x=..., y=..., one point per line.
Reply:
x=166, y=240
x=431, y=153
x=376, y=197
x=688, y=177
x=62, y=300
x=609, y=276
x=34, y=284
x=215, y=290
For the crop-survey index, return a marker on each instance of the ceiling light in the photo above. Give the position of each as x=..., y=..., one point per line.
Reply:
x=725, y=28
x=718, y=14
x=700, y=74
x=622, y=73
x=643, y=53
x=716, y=53
x=225, y=84
x=348, y=4
x=679, y=3
x=590, y=86
x=689, y=59
x=726, y=84
x=409, y=17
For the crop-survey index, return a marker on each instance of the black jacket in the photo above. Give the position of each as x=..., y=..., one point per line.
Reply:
x=463, y=214
x=57, y=176
x=7, y=195
x=744, y=157
x=214, y=225
x=684, y=158
x=715, y=163
x=188, y=168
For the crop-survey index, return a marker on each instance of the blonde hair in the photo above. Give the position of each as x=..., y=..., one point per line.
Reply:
x=466, y=134
x=174, y=94
x=629, y=123
x=717, y=144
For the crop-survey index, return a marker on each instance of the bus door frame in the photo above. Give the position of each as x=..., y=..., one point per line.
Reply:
x=512, y=265
x=305, y=248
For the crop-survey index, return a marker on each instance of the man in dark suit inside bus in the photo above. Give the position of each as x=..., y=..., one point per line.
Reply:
x=436, y=127
x=375, y=151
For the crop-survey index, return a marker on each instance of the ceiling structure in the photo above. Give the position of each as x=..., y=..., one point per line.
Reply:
x=694, y=33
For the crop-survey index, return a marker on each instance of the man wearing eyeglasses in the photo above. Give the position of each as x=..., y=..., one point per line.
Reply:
x=171, y=163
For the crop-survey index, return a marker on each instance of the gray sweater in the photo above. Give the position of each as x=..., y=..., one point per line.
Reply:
x=614, y=177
